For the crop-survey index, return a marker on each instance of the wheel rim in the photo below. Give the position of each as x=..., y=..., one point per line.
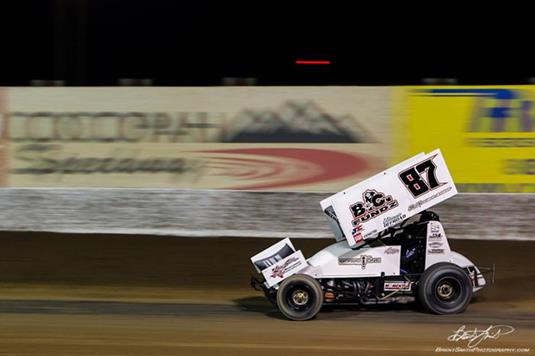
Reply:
x=447, y=289
x=300, y=297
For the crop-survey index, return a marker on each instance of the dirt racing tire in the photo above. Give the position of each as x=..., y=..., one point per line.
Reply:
x=299, y=297
x=444, y=288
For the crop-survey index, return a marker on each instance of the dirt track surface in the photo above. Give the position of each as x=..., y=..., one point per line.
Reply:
x=145, y=295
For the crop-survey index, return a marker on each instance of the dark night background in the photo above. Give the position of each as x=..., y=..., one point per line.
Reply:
x=96, y=42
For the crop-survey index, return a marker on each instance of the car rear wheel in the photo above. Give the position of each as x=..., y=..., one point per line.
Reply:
x=445, y=289
x=299, y=297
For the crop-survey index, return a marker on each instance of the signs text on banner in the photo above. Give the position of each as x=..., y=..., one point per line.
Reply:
x=487, y=134
x=269, y=138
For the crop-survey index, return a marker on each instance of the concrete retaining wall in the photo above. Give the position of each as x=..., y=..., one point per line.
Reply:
x=201, y=213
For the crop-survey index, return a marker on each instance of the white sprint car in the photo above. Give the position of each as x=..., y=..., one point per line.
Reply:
x=389, y=246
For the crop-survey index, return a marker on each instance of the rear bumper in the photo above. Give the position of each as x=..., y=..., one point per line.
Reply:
x=477, y=275
x=484, y=270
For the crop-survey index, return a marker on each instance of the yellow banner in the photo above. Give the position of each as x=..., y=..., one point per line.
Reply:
x=486, y=133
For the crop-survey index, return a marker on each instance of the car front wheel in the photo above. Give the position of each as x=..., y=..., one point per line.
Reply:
x=299, y=297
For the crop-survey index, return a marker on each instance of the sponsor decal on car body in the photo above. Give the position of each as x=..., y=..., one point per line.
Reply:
x=394, y=220
x=397, y=285
x=361, y=260
x=435, y=244
x=392, y=250
x=280, y=271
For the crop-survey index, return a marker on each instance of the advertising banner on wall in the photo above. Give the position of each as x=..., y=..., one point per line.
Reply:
x=486, y=133
x=252, y=138
x=3, y=134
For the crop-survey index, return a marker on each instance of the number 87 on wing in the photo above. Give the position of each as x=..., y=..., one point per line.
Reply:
x=427, y=181
x=422, y=177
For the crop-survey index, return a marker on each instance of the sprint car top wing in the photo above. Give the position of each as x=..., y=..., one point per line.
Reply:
x=365, y=209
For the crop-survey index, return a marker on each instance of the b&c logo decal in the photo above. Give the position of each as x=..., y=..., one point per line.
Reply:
x=374, y=204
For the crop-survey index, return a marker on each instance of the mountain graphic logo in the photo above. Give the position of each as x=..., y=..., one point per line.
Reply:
x=295, y=122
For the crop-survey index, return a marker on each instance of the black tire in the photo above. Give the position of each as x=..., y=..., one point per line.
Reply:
x=444, y=288
x=300, y=297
